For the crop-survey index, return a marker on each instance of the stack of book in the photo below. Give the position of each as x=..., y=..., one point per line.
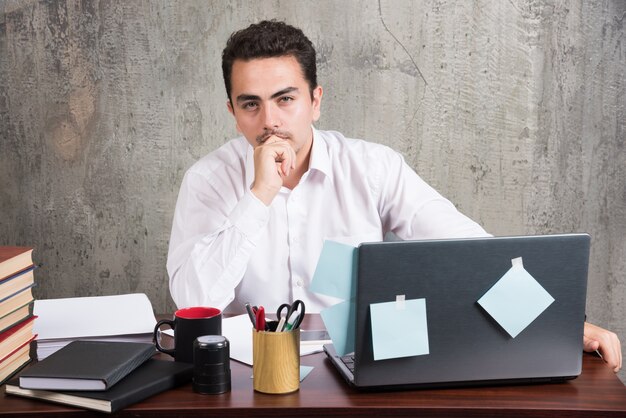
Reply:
x=100, y=375
x=16, y=309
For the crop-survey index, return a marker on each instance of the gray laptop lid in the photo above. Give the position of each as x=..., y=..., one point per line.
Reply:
x=466, y=345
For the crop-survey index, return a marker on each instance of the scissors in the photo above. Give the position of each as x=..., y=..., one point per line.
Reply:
x=294, y=313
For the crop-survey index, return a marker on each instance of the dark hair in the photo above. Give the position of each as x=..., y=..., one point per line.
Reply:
x=270, y=39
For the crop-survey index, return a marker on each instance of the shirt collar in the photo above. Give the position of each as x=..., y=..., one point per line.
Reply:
x=320, y=160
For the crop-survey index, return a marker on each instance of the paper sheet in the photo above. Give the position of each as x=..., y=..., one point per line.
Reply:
x=93, y=316
x=238, y=331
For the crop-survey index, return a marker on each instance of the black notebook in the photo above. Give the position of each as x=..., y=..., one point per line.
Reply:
x=86, y=365
x=152, y=377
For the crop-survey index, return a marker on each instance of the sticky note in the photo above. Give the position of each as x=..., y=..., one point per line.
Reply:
x=399, y=329
x=516, y=300
x=334, y=273
x=340, y=320
x=304, y=372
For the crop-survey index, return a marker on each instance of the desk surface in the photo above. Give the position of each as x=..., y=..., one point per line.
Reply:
x=596, y=393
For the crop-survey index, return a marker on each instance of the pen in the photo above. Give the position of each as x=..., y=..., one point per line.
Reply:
x=291, y=325
x=250, y=314
x=281, y=324
x=598, y=353
x=260, y=319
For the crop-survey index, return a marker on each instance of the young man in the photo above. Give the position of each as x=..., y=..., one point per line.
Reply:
x=252, y=216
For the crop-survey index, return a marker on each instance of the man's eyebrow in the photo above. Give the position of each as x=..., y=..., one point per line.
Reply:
x=246, y=97
x=284, y=91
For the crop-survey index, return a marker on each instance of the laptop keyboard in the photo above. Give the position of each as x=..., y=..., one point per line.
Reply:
x=348, y=360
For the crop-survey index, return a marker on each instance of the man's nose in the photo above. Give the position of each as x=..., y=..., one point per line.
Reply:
x=270, y=117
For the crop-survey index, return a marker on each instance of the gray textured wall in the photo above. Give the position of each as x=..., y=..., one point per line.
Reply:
x=515, y=110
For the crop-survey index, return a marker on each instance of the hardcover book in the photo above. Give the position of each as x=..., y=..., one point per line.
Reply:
x=104, y=318
x=14, y=361
x=15, y=336
x=13, y=302
x=154, y=376
x=13, y=284
x=14, y=259
x=15, y=316
x=86, y=365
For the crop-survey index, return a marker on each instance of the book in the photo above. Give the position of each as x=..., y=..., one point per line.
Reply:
x=15, y=316
x=15, y=336
x=114, y=318
x=14, y=259
x=13, y=302
x=86, y=365
x=9, y=286
x=15, y=361
x=151, y=378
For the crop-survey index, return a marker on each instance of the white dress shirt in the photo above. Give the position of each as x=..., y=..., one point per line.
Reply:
x=228, y=248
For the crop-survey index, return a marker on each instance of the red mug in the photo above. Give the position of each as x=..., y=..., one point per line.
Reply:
x=189, y=324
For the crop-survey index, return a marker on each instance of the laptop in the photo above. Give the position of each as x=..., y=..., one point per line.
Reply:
x=467, y=346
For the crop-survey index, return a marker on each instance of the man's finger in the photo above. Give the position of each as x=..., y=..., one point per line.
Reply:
x=590, y=345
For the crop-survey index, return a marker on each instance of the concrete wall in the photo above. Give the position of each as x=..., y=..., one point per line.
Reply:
x=515, y=110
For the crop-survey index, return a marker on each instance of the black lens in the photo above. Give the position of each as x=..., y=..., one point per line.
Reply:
x=211, y=359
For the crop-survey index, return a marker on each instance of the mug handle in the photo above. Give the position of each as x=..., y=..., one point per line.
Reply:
x=156, y=338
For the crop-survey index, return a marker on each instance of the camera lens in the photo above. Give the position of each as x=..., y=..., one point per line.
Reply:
x=211, y=358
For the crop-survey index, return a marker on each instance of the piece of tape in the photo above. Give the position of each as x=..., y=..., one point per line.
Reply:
x=517, y=262
x=400, y=305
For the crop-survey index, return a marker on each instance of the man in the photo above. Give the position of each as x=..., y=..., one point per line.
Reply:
x=252, y=216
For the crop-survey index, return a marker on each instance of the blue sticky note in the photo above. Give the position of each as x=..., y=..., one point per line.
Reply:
x=516, y=300
x=340, y=322
x=399, y=329
x=334, y=274
x=304, y=372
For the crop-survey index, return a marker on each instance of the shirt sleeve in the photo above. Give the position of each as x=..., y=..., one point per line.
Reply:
x=213, y=235
x=412, y=209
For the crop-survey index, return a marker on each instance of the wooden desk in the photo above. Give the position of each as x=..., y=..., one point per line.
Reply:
x=596, y=393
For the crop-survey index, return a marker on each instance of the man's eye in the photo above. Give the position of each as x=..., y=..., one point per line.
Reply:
x=286, y=99
x=249, y=105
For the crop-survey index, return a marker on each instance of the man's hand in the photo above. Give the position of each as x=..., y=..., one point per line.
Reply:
x=273, y=161
x=606, y=342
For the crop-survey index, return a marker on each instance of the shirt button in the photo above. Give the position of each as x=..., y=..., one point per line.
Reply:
x=299, y=283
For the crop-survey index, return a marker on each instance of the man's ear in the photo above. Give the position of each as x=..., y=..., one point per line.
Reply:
x=229, y=105
x=318, y=92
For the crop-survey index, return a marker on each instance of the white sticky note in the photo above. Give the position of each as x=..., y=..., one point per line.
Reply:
x=516, y=300
x=399, y=329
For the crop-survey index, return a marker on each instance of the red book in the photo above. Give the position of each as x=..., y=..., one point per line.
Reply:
x=14, y=337
x=15, y=361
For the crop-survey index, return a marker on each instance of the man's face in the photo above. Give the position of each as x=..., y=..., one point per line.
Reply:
x=270, y=96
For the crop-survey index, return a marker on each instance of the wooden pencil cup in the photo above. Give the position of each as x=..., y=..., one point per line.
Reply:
x=276, y=361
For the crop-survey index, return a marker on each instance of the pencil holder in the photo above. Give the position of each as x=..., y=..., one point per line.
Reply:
x=276, y=361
